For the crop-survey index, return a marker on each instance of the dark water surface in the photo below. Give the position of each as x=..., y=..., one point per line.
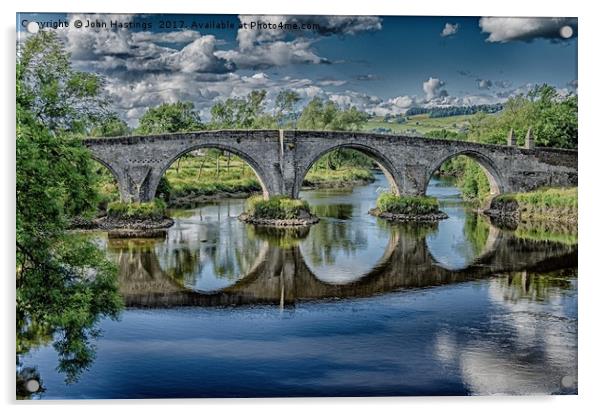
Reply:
x=354, y=306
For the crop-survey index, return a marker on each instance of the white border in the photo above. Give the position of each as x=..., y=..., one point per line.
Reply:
x=590, y=339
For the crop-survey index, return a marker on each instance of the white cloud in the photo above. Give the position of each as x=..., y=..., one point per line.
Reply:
x=506, y=29
x=484, y=84
x=449, y=29
x=433, y=88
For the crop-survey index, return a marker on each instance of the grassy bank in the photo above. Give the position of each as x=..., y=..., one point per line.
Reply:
x=553, y=204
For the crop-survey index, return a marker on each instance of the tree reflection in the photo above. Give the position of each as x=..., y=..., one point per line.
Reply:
x=65, y=311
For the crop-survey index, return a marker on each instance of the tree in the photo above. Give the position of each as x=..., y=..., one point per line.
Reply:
x=285, y=108
x=170, y=117
x=552, y=118
x=64, y=283
x=242, y=113
x=60, y=98
x=320, y=115
x=111, y=125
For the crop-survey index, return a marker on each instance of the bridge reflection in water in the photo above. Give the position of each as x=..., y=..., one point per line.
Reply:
x=280, y=273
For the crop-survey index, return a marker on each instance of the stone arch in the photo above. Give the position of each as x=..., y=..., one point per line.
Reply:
x=496, y=182
x=393, y=177
x=255, y=166
x=117, y=175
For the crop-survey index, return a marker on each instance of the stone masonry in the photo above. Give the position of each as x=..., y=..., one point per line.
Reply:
x=281, y=159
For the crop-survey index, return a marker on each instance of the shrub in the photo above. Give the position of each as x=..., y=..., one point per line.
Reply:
x=421, y=205
x=137, y=210
x=276, y=207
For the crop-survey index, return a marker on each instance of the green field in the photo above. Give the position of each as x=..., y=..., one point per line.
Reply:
x=420, y=124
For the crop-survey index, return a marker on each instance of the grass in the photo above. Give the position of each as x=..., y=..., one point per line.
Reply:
x=276, y=207
x=549, y=203
x=343, y=176
x=407, y=205
x=420, y=124
x=136, y=210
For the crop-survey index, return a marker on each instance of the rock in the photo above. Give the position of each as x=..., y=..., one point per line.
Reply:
x=296, y=222
x=408, y=217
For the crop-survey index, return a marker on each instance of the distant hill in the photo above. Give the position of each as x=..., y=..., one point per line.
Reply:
x=418, y=125
x=441, y=112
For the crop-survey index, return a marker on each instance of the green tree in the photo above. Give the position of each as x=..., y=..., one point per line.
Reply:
x=552, y=118
x=285, y=108
x=170, y=117
x=320, y=115
x=242, y=113
x=64, y=283
x=60, y=98
x=111, y=125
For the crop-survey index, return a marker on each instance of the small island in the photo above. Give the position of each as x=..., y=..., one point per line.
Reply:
x=131, y=220
x=407, y=208
x=277, y=211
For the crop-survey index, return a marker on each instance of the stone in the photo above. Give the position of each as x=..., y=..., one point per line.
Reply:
x=282, y=158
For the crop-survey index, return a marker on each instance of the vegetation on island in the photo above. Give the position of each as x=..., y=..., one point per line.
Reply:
x=137, y=210
x=407, y=204
x=277, y=208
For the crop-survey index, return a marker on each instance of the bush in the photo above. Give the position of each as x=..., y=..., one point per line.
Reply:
x=394, y=204
x=137, y=210
x=276, y=207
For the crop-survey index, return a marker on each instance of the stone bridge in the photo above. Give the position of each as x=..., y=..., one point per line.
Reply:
x=281, y=159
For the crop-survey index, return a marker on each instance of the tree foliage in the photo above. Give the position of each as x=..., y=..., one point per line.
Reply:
x=170, y=117
x=64, y=284
x=242, y=113
x=60, y=98
x=111, y=125
x=551, y=117
x=327, y=115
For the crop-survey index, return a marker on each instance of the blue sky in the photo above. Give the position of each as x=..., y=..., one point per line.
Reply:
x=379, y=64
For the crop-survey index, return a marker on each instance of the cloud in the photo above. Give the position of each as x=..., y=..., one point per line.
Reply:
x=507, y=29
x=484, y=84
x=367, y=77
x=263, y=48
x=503, y=84
x=121, y=52
x=327, y=81
x=572, y=85
x=433, y=88
x=318, y=25
x=276, y=53
x=449, y=29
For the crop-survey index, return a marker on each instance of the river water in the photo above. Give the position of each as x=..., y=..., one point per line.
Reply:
x=354, y=306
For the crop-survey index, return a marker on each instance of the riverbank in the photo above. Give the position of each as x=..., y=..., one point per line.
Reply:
x=550, y=204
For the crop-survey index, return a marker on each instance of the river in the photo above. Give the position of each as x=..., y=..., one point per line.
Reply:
x=353, y=306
